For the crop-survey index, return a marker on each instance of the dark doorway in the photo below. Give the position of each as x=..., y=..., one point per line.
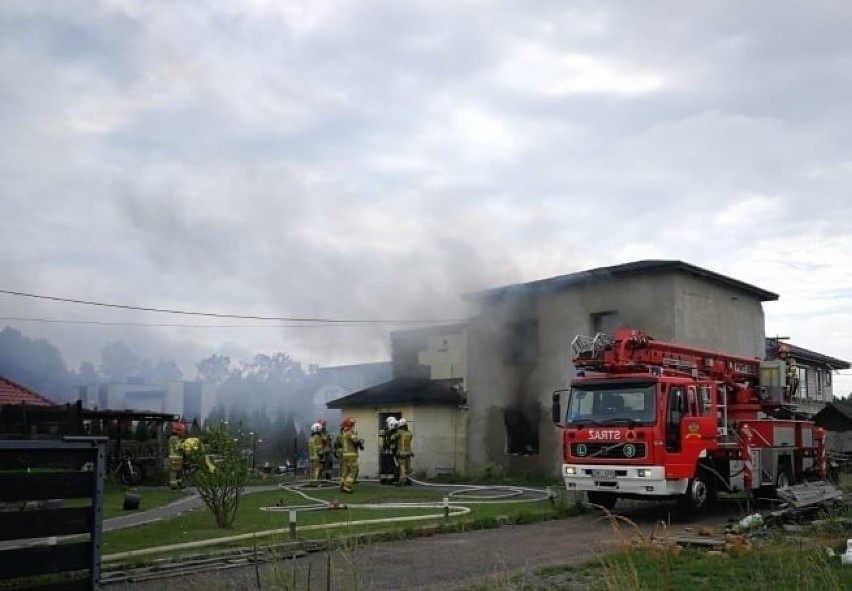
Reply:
x=522, y=429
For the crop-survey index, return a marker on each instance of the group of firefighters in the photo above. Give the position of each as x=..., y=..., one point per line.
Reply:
x=394, y=453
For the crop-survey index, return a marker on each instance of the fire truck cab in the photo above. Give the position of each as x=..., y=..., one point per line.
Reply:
x=653, y=420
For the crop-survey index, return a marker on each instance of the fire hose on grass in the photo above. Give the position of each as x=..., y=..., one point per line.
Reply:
x=472, y=494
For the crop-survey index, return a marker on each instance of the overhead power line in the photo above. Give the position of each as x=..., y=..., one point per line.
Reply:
x=231, y=316
x=175, y=325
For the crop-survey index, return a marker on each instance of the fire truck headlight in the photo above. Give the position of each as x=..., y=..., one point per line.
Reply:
x=570, y=471
x=643, y=473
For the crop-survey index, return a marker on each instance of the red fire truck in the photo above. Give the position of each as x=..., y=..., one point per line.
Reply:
x=654, y=420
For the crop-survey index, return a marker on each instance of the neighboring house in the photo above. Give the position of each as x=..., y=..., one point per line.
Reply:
x=331, y=383
x=435, y=352
x=434, y=412
x=192, y=400
x=13, y=393
x=816, y=386
x=27, y=414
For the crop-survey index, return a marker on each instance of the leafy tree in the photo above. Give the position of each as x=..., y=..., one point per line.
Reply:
x=34, y=363
x=217, y=415
x=238, y=418
x=144, y=370
x=166, y=371
x=284, y=437
x=214, y=369
x=221, y=488
x=119, y=362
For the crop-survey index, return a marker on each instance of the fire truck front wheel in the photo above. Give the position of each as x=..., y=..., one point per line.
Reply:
x=699, y=493
x=603, y=499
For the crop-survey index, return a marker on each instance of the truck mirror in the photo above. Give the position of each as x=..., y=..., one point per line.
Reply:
x=556, y=409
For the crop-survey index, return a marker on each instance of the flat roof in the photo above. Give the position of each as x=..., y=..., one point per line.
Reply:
x=600, y=274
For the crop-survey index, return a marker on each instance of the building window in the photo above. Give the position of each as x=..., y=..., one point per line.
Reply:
x=804, y=391
x=605, y=322
x=521, y=343
x=521, y=430
x=823, y=377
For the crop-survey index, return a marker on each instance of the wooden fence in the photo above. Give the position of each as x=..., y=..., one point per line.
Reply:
x=51, y=491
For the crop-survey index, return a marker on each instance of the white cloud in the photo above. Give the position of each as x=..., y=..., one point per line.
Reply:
x=748, y=209
x=537, y=69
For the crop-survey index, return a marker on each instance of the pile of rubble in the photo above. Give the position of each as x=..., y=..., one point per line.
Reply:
x=802, y=510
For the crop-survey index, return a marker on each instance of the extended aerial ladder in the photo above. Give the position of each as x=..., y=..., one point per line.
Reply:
x=631, y=351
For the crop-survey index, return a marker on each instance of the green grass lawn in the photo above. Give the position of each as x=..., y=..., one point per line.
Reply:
x=200, y=525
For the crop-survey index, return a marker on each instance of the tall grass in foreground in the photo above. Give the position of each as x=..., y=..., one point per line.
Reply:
x=654, y=563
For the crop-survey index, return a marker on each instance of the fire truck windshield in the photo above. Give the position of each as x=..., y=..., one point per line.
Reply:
x=626, y=404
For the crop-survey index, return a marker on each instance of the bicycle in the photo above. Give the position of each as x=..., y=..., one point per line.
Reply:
x=126, y=472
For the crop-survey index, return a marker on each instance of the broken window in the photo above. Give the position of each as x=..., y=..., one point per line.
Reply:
x=521, y=343
x=521, y=430
x=606, y=322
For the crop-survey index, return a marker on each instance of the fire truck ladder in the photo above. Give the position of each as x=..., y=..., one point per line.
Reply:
x=585, y=347
x=680, y=365
x=722, y=400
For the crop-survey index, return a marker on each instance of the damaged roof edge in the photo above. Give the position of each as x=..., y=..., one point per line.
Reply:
x=643, y=267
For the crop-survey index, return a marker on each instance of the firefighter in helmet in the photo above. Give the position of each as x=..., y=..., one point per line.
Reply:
x=315, y=444
x=792, y=377
x=403, y=452
x=326, y=454
x=194, y=457
x=350, y=444
x=176, y=454
x=388, y=472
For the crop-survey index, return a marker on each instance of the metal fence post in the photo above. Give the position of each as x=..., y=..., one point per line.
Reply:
x=292, y=524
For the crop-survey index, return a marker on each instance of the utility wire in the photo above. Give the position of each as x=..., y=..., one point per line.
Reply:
x=159, y=325
x=232, y=316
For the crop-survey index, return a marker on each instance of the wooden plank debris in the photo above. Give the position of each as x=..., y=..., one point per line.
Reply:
x=809, y=493
x=704, y=542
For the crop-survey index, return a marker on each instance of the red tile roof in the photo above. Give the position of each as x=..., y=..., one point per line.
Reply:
x=12, y=393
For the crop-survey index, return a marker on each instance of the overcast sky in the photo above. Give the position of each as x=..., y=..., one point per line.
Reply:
x=374, y=160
